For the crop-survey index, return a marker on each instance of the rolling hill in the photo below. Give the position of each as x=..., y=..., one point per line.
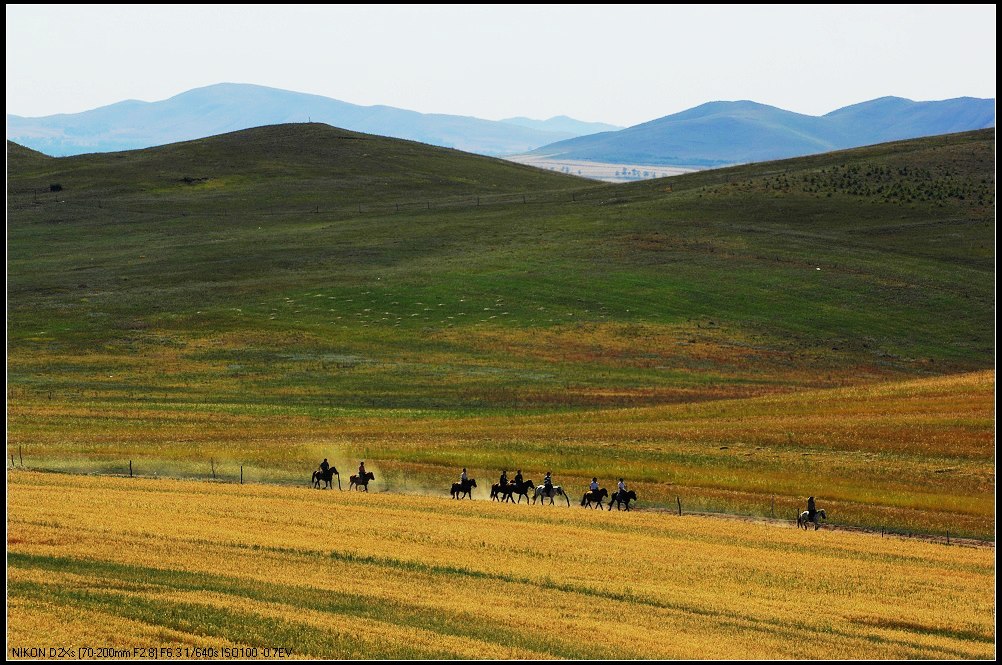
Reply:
x=728, y=335
x=721, y=133
x=227, y=107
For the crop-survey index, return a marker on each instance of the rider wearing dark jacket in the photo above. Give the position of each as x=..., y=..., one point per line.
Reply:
x=324, y=466
x=812, y=510
x=503, y=482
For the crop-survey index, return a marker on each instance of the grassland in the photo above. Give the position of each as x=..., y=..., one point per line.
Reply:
x=137, y=562
x=738, y=338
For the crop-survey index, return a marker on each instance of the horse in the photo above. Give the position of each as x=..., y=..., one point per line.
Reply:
x=363, y=482
x=554, y=491
x=465, y=487
x=321, y=476
x=804, y=518
x=521, y=489
x=595, y=496
x=620, y=498
x=502, y=491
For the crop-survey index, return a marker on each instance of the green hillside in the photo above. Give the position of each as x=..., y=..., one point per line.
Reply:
x=871, y=261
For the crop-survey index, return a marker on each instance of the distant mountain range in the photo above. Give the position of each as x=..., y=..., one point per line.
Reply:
x=227, y=107
x=722, y=133
x=713, y=134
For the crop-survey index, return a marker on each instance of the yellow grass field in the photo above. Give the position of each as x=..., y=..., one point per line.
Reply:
x=913, y=455
x=133, y=564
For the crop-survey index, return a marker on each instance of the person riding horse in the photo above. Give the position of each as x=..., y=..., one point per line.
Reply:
x=548, y=484
x=812, y=510
x=325, y=467
x=503, y=482
x=518, y=478
x=593, y=487
x=463, y=478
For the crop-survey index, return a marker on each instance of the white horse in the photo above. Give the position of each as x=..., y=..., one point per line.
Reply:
x=556, y=490
x=804, y=518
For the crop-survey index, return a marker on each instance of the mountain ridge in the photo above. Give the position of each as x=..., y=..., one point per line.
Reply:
x=224, y=107
x=721, y=133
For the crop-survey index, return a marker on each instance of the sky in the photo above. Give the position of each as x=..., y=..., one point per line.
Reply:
x=622, y=64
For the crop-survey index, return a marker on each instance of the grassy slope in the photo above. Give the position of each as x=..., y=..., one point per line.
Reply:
x=257, y=287
x=167, y=563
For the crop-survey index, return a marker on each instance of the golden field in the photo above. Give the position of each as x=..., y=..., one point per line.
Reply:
x=126, y=563
x=913, y=455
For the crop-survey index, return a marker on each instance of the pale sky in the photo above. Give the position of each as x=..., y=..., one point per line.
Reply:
x=621, y=64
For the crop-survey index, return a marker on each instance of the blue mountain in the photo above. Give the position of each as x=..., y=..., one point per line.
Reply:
x=227, y=107
x=722, y=133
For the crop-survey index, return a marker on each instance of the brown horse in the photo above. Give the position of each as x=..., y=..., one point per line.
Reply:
x=595, y=497
x=521, y=489
x=464, y=488
x=320, y=476
x=622, y=497
x=361, y=483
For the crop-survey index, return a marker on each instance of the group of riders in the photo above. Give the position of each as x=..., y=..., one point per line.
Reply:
x=464, y=478
x=547, y=481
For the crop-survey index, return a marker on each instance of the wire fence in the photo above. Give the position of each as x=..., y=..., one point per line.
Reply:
x=399, y=481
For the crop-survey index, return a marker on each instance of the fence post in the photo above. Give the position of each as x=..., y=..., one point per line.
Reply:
x=130, y=468
x=212, y=463
x=241, y=474
x=774, y=505
x=679, y=501
x=20, y=456
x=12, y=460
x=947, y=533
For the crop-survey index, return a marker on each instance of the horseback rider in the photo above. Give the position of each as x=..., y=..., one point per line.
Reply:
x=621, y=488
x=325, y=467
x=593, y=487
x=518, y=478
x=463, y=478
x=548, y=484
x=503, y=482
x=812, y=510
x=361, y=470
